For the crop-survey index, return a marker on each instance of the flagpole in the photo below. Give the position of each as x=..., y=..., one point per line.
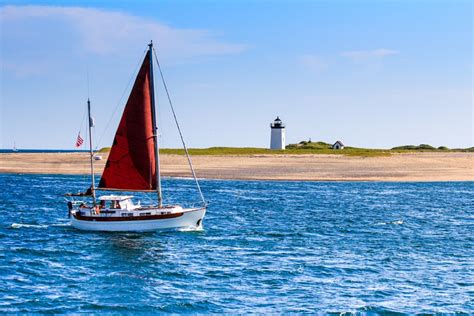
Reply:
x=91, y=123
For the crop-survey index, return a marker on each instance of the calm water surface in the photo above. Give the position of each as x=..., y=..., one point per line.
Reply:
x=265, y=247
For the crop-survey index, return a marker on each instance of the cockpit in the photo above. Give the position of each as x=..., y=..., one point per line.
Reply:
x=116, y=202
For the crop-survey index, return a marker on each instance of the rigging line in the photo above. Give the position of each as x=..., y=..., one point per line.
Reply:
x=94, y=134
x=82, y=121
x=88, y=90
x=80, y=129
x=149, y=198
x=119, y=101
x=179, y=129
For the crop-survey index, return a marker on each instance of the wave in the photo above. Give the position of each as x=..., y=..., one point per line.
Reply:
x=61, y=225
x=191, y=229
x=399, y=222
x=18, y=225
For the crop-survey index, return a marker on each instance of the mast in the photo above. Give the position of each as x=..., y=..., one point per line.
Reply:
x=91, y=124
x=155, y=128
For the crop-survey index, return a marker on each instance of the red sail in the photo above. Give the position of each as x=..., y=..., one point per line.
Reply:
x=131, y=164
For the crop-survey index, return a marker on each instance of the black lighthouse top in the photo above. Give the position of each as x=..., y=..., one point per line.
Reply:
x=277, y=123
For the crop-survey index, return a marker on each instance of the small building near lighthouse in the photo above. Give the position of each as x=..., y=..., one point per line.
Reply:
x=277, y=140
x=338, y=145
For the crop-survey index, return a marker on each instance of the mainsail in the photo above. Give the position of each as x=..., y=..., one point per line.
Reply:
x=131, y=164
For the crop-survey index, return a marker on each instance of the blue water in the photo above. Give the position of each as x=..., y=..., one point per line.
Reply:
x=266, y=247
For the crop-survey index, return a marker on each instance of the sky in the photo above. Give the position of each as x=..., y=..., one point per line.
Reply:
x=374, y=74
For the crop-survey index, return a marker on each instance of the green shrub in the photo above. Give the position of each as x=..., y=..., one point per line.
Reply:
x=426, y=146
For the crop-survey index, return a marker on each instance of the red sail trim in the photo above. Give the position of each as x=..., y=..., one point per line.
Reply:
x=131, y=163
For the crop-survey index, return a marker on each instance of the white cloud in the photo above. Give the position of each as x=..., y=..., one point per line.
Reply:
x=314, y=62
x=369, y=55
x=103, y=32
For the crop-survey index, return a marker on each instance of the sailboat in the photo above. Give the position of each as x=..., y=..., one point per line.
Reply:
x=133, y=165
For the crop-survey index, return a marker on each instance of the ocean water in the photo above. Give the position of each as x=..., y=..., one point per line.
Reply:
x=266, y=247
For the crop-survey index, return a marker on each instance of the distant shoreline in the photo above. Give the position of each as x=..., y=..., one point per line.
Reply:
x=41, y=151
x=302, y=148
x=423, y=166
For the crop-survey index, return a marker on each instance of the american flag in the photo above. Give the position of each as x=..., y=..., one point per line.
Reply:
x=79, y=140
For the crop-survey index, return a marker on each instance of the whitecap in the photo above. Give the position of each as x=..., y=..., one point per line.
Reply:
x=191, y=229
x=61, y=224
x=399, y=222
x=18, y=225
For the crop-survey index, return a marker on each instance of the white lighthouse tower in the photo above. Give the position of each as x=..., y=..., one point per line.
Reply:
x=277, y=141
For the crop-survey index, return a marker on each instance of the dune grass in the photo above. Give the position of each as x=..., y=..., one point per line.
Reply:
x=246, y=151
x=307, y=148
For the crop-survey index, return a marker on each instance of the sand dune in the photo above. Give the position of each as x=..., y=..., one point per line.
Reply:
x=398, y=167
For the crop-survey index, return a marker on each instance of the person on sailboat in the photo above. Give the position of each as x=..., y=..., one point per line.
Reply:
x=89, y=192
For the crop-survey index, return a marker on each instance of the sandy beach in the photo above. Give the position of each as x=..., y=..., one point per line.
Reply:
x=398, y=167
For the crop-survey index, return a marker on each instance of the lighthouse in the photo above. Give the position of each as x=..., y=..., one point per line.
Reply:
x=277, y=141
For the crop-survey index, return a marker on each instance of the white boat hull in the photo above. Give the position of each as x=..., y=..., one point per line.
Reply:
x=188, y=218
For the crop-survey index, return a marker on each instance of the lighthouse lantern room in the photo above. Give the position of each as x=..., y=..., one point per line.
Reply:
x=277, y=141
